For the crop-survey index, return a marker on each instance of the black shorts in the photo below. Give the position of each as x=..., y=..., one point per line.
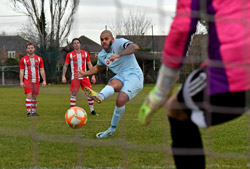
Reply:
x=207, y=110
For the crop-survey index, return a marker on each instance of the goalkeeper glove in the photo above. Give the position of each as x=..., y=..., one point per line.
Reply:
x=160, y=93
x=150, y=105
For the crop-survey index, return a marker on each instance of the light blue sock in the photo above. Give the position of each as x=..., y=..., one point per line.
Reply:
x=118, y=112
x=107, y=91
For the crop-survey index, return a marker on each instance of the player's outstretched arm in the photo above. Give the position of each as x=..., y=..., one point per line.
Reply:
x=160, y=93
x=92, y=71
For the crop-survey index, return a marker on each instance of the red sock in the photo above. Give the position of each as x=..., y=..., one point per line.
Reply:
x=28, y=105
x=91, y=104
x=34, y=105
x=72, y=101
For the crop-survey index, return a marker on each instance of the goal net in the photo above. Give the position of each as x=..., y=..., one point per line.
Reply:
x=47, y=142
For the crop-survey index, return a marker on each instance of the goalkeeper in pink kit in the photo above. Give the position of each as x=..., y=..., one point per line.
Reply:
x=213, y=94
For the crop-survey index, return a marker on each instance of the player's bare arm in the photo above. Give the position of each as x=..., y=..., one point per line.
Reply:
x=92, y=71
x=65, y=67
x=131, y=48
x=93, y=79
x=42, y=71
x=21, y=77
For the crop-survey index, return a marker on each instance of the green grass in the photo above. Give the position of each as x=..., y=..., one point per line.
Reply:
x=47, y=142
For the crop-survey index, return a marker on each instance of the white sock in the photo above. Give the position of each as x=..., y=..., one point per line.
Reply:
x=106, y=92
x=91, y=104
x=118, y=112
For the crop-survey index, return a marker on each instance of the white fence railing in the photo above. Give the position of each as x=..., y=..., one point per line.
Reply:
x=9, y=75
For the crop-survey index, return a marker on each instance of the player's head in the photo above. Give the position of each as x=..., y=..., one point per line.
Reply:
x=76, y=43
x=107, y=39
x=30, y=48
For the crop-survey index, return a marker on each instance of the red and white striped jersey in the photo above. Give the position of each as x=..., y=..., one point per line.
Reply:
x=31, y=66
x=77, y=62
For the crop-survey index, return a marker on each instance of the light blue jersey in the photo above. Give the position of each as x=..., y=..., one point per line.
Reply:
x=120, y=64
x=126, y=67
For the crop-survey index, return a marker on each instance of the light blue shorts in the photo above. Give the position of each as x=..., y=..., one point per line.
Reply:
x=132, y=81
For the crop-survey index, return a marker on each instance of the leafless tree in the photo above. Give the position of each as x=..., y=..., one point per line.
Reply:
x=136, y=23
x=28, y=32
x=59, y=17
x=3, y=33
x=50, y=21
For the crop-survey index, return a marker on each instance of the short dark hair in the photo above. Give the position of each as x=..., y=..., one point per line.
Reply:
x=108, y=32
x=75, y=40
x=30, y=44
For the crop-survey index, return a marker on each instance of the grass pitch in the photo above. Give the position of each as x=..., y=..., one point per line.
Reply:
x=47, y=142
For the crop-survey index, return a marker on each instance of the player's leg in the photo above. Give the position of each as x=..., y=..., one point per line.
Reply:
x=28, y=93
x=35, y=92
x=128, y=87
x=74, y=87
x=86, y=83
x=121, y=100
x=193, y=108
x=34, y=105
x=132, y=85
x=187, y=145
x=185, y=115
x=73, y=99
x=203, y=111
x=114, y=85
x=28, y=103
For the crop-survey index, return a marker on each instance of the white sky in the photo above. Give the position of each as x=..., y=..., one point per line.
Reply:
x=93, y=15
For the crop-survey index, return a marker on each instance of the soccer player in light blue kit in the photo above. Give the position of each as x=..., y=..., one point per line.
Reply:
x=118, y=56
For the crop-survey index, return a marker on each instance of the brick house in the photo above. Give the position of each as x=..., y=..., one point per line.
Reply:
x=11, y=47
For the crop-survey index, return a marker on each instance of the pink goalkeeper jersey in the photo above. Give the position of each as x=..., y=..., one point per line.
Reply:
x=77, y=62
x=31, y=66
x=228, y=66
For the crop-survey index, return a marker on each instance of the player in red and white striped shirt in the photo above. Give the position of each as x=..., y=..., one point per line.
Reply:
x=31, y=66
x=78, y=59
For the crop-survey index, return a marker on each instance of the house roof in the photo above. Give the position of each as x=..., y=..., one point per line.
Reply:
x=90, y=45
x=86, y=44
x=12, y=43
x=155, y=43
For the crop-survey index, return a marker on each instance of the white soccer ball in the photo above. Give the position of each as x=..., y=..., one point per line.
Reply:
x=76, y=117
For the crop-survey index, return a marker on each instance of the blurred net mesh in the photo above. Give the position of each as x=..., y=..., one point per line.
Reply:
x=196, y=54
x=193, y=61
